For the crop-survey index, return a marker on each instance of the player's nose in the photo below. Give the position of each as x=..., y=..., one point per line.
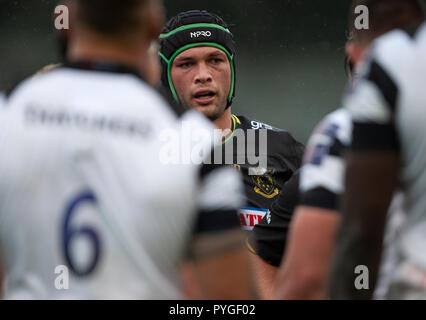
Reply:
x=203, y=73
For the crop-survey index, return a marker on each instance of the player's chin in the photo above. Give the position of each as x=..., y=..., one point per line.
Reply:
x=206, y=110
x=204, y=106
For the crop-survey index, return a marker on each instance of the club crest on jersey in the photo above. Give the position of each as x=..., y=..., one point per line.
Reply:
x=264, y=185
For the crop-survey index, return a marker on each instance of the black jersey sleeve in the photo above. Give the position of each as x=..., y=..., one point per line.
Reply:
x=268, y=239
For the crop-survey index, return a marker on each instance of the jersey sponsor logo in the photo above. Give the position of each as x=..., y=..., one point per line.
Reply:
x=256, y=125
x=197, y=34
x=249, y=217
x=268, y=217
x=264, y=185
x=36, y=115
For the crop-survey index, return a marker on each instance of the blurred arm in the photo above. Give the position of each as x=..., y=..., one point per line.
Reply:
x=218, y=265
x=219, y=268
x=371, y=179
x=304, y=271
x=264, y=276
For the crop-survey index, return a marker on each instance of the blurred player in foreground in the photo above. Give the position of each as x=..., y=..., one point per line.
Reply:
x=388, y=151
x=305, y=267
x=2, y=99
x=89, y=209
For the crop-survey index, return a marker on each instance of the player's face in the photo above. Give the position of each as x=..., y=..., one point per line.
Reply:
x=202, y=79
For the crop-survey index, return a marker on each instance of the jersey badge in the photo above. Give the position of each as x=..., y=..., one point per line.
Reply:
x=264, y=185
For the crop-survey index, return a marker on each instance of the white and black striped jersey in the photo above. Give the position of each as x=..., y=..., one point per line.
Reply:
x=83, y=185
x=322, y=172
x=321, y=183
x=388, y=107
x=318, y=183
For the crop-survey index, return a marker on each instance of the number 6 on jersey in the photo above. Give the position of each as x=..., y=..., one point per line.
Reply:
x=71, y=233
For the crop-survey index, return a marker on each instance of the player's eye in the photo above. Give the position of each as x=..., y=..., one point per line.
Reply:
x=185, y=65
x=216, y=60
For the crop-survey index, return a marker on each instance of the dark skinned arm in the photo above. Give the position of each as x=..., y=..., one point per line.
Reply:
x=371, y=179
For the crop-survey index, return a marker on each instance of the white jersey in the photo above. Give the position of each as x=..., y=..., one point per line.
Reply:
x=389, y=104
x=322, y=183
x=323, y=163
x=84, y=190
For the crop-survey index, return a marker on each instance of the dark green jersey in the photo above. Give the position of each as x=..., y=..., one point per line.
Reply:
x=263, y=181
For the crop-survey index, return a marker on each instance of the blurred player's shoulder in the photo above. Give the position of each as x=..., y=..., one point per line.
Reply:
x=323, y=161
x=394, y=51
x=80, y=84
x=391, y=73
x=339, y=116
x=2, y=99
x=11, y=90
x=336, y=124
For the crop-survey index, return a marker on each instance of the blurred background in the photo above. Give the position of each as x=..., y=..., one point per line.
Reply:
x=289, y=53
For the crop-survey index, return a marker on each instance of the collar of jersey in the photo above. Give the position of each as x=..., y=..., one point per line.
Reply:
x=103, y=66
x=235, y=123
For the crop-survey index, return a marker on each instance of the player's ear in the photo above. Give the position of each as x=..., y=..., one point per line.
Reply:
x=154, y=19
x=355, y=51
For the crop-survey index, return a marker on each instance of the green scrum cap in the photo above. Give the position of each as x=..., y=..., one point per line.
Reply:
x=191, y=29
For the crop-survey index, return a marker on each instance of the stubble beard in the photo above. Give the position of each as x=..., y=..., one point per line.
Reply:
x=210, y=112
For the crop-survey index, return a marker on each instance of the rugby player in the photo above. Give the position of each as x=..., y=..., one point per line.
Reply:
x=304, y=270
x=388, y=151
x=198, y=56
x=83, y=190
x=198, y=68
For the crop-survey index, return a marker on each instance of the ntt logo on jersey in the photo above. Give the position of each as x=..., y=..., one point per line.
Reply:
x=197, y=34
x=249, y=217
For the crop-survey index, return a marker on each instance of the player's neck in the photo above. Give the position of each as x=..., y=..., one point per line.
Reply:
x=90, y=47
x=224, y=122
